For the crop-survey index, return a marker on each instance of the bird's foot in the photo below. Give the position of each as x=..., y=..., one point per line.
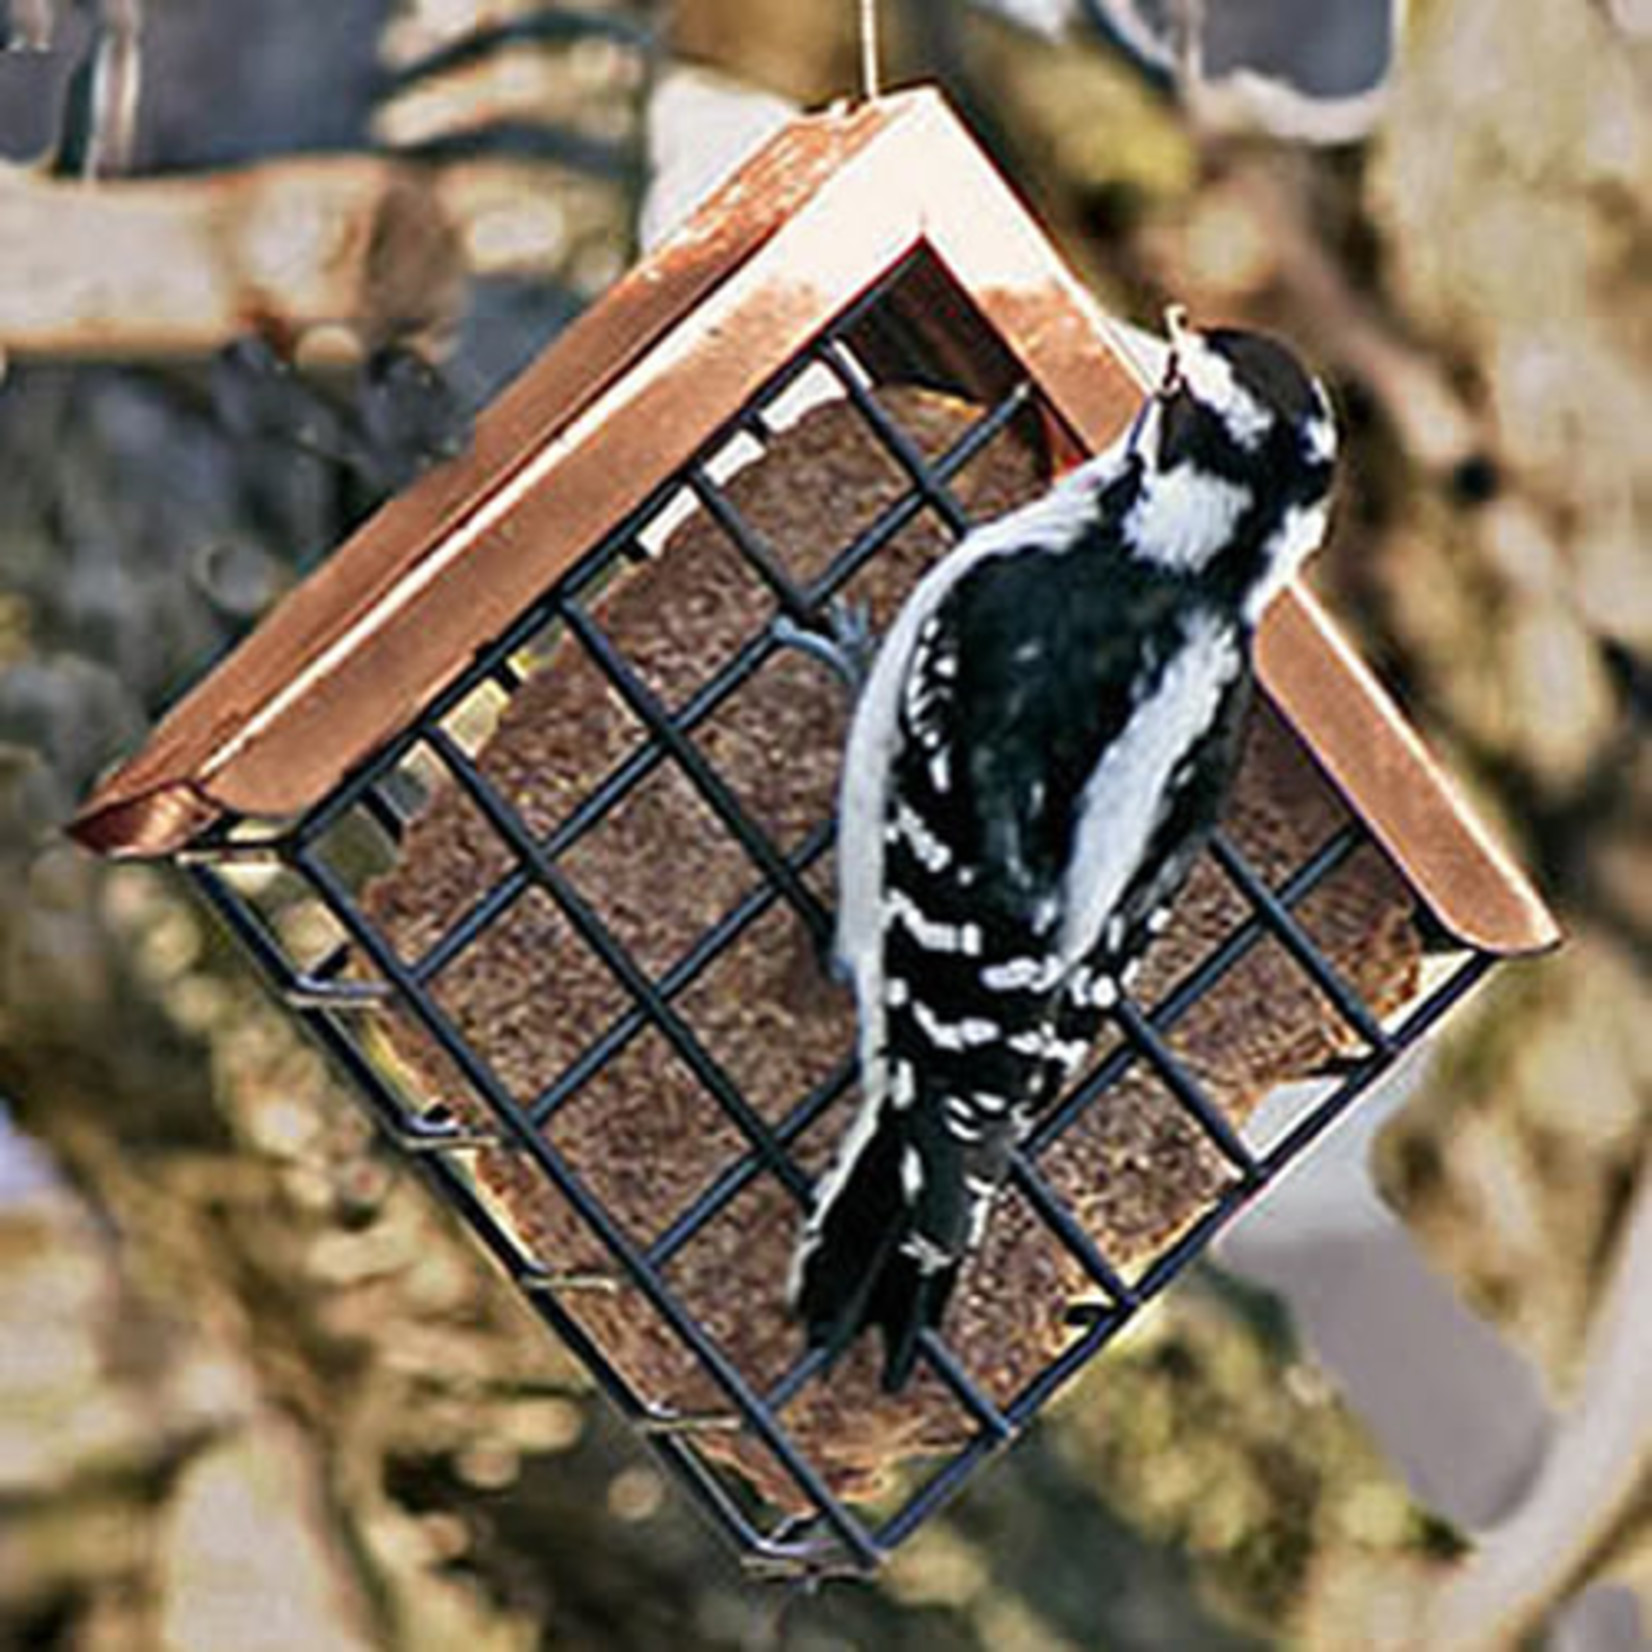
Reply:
x=846, y=644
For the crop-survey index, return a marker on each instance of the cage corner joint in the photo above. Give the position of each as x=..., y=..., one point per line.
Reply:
x=519, y=806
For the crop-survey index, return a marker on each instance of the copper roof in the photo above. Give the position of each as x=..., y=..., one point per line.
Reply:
x=625, y=397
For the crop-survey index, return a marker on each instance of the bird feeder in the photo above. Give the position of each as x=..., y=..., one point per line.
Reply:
x=527, y=813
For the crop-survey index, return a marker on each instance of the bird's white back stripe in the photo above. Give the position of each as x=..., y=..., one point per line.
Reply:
x=1125, y=797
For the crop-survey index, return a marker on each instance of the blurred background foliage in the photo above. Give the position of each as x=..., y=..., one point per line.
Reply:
x=253, y=1389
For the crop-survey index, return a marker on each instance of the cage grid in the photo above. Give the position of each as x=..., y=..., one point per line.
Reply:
x=256, y=875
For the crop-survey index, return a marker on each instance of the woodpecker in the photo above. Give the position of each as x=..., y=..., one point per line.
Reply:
x=1037, y=757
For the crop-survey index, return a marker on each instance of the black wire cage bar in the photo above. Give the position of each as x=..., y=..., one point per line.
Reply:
x=302, y=887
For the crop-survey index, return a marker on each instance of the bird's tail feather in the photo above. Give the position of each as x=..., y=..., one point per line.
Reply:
x=865, y=1263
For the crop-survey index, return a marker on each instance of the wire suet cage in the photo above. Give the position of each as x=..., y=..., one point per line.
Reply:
x=525, y=809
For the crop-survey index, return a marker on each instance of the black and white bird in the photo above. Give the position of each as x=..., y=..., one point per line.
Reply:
x=1036, y=759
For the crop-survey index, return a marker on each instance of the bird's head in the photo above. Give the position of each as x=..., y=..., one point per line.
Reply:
x=1236, y=451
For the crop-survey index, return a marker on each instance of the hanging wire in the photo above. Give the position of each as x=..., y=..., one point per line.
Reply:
x=870, y=88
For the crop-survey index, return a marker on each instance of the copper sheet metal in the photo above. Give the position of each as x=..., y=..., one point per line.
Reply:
x=624, y=398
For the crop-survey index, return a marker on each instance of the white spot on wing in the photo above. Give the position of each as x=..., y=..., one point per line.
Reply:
x=933, y=935
x=1069, y=1052
x=912, y=1174
x=943, y=1035
x=929, y=1257
x=971, y=1032
x=961, y=1120
x=929, y=850
x=1014, y=975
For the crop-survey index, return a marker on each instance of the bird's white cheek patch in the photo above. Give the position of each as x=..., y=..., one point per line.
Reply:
x=1185, y=517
